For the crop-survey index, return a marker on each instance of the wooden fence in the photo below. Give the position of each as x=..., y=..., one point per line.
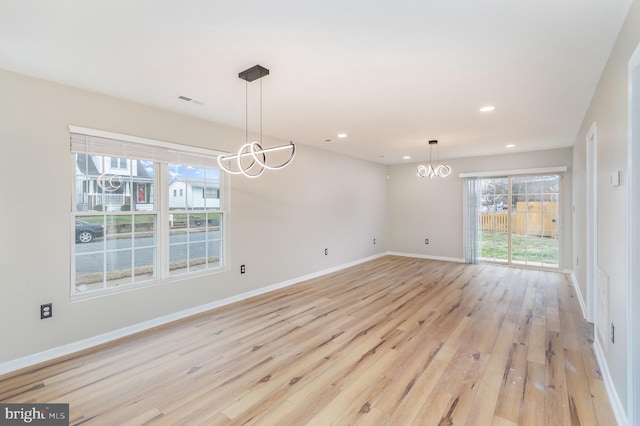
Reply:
x=528, y=218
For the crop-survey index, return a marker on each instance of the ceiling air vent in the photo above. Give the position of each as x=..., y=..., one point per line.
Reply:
x=192, y=100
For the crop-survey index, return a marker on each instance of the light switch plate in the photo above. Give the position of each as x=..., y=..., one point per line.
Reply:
x=615, y=178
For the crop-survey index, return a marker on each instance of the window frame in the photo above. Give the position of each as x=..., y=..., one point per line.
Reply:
x=161, y=154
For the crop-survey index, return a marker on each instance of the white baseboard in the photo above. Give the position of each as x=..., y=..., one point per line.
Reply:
x=576, y=286
x=51, y=354
x=614, y=398
x=425, y=256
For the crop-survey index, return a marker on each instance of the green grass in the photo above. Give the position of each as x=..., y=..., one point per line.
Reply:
x=119, y=219
x=524, y=248
x=146, y=218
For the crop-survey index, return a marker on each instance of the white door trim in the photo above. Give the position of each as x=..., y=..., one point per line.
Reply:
x=592, y=221
x=633, y=276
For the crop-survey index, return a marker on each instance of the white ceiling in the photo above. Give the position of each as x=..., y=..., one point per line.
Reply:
x=392, y=75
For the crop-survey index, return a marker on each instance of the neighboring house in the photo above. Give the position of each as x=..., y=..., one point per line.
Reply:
x=193, y=193
x=112, y=184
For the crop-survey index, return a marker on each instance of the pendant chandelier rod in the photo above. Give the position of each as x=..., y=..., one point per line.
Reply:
x=431, y=152
x=246, y=111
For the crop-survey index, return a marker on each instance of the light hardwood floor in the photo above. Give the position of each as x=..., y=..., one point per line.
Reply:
x=396, y=341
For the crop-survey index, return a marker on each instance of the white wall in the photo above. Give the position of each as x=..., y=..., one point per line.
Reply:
x=432, y=208
x=609, y=109
x=280, y=223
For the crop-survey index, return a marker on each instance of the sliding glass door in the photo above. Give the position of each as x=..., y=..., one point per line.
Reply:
x=535, y=221
x=519, y=220
x=494, y=220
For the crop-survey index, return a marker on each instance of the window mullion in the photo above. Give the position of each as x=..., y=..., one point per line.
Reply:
x=162, y=206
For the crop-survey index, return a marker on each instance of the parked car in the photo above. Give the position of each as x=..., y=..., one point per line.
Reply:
x=87, y=232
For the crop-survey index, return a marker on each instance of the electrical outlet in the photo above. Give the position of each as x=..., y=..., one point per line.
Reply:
x=613, y=333
x=326, y=252
x=374, y=241
x=426, y=241
x=242, y=269
x=46, y=310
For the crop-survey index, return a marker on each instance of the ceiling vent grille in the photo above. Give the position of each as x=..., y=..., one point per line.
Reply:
x=192, y=100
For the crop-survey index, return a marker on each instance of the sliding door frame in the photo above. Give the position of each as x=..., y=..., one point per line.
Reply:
x=508, y=174
x=633, y=217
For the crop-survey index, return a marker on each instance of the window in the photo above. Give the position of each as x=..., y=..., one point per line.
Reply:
x=195, y=243
x=129, y=230
x=211, y=192
x=118, y=163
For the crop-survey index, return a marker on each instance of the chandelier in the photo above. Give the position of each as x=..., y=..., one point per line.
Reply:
x=440, y=170
x=251, y=159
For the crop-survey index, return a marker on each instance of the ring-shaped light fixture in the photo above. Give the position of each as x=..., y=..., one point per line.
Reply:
x=440, y=170
x=253, y=149
x=262, y=151
x=245, y=149
x=258, y=159
x=109, y=183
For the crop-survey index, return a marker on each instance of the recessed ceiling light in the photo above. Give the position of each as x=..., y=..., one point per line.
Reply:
x=487, y=108
x=342, y=135
x=509, y=146
x=406, y=157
